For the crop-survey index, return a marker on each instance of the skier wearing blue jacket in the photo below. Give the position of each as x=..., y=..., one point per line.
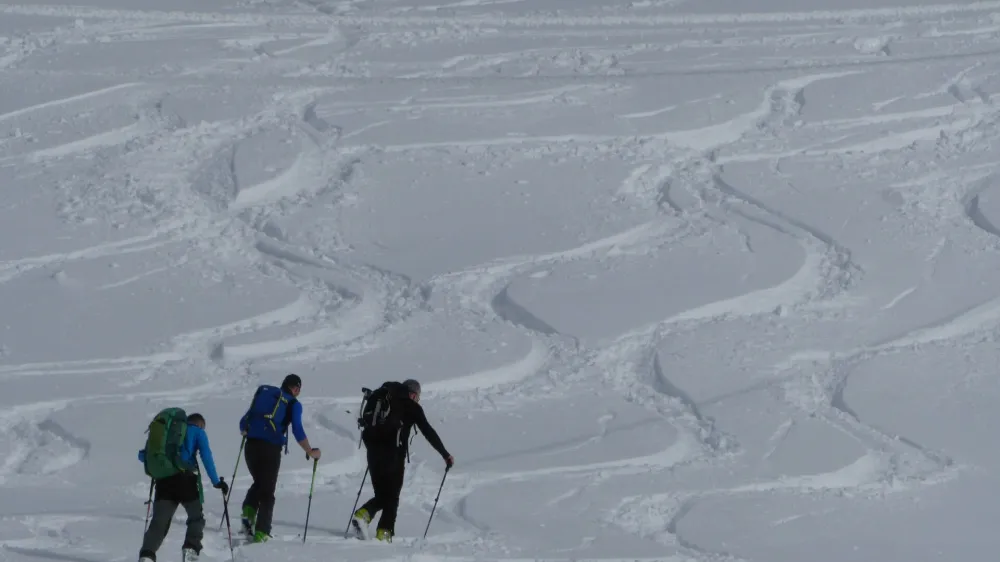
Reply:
x=183, y=489
x=265, y=427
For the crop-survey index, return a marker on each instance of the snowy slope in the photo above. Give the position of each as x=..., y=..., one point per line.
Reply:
x=684, y=280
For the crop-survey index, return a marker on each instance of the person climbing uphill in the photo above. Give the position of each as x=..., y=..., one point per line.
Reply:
x=265, y=427
x=177, y=480
x=389, y=414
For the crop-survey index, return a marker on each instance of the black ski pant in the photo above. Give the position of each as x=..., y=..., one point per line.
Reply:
x=178, y=490
x=386, y=465
x=263, y=462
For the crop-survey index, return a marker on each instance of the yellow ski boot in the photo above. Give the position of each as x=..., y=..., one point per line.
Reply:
x=360, y=522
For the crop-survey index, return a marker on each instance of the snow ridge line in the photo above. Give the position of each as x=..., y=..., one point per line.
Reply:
x=534, y=20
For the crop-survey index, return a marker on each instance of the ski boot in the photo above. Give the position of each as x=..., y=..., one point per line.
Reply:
x=247, y=522
x=261, y=537
x=360, y=522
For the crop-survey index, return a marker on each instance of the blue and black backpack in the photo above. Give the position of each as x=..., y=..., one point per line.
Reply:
x=270, y=404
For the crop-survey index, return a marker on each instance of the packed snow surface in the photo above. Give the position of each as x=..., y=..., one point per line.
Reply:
x=683, y=280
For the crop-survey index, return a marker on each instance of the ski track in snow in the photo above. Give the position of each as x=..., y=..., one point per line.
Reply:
x=347, y=308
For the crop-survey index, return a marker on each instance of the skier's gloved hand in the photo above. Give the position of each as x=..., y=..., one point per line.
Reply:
x=449, y=461
x=313, y=453
x=223, y=486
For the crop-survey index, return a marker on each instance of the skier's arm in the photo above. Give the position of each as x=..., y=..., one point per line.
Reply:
x=206, y=457
x=425, y=427
x=297, y=430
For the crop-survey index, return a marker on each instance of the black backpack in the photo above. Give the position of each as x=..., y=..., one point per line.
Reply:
x=380, y=419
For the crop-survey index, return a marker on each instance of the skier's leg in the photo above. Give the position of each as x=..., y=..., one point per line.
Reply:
x=393, y=487
x=377, y=468
x=188, y=495
x=251, y=502
x=267, y=481
x=159, y=525
x=195, y=525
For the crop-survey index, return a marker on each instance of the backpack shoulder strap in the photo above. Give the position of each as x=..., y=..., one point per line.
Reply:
x=277, y=404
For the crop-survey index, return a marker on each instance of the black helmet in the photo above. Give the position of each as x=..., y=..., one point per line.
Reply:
x=290, y=382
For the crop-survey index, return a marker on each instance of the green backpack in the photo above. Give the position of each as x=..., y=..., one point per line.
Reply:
x=164, y=443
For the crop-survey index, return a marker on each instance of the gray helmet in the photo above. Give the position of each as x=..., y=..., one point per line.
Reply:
x=412, y=385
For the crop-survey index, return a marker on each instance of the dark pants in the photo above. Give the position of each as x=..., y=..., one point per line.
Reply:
x=386, y=466
x=179, y=490
x=263, y=462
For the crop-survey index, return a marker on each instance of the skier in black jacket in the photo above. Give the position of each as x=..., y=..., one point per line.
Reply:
x=387, y=448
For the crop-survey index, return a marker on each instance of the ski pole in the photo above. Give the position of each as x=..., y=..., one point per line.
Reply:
x=356, y=500
x=229, y=528
x=233, y=481
x=149, y=505
x=441, y=487
x=309, y=508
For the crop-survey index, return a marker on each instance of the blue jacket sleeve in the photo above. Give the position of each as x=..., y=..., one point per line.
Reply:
x=244, y=422
x=297, y=430
x=206, y=457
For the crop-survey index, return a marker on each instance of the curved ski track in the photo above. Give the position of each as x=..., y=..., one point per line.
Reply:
x=350, y=307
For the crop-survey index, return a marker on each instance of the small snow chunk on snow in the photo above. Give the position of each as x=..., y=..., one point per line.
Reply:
x=64, y=280
x=872, y=45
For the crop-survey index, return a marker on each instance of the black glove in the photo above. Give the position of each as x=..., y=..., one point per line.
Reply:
x=449, y=461
x=223, y=486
